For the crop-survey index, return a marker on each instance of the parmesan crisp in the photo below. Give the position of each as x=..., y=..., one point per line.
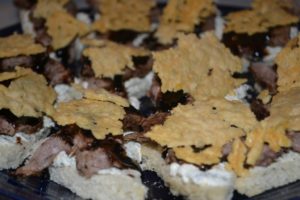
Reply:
x=112, y=58
x=100, y=117
x=28, y=95
x=19, y=71
x=236, y=158
x=182, y=16
x=16, y=45
x=288, y=65
x=92, y=42
x=214, y=122
x=103, y=95
x=63, y=28
x=274, y=136
x=202, y=67
x=208, y=156
x=45, y=8
x=284, y=115
x=124, y=14
x=285, y=106
x=264, y=15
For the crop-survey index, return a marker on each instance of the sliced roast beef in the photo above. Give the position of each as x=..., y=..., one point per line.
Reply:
x=279, y=36
x=87, y=70
x=114, y=86
x=295, y=137
x=138, y=123
x=39, y=25
x=91, y=155
x=103, y=154
x=169, y=156
x=227, y=148
x=132, y=122
x=10, y=124
x=265, y=75
x=6, y=127
x=259, y=109
x=68, y=139
x=44, y=156
x=56, y=73
x=267, y=157
x=95, y=83
x=296, y=142
x=167, y=101
x=89, y=162
x=9, y=64
x=207, y=25
x=155, y=91
x=43, y=38
x=28, y=127
x=138, y=137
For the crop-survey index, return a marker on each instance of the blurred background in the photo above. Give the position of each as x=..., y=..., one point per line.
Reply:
x=9, y=15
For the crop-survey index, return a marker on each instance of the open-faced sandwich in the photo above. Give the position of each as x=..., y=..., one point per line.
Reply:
x=24, y=107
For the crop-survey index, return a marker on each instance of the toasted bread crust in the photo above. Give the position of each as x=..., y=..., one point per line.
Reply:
x=152, y=160
x=285, y=170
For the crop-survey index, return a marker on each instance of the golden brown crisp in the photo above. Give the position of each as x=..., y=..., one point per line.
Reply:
x=19, y=71
x=208, y=156
x=288, y=65
x=202, y=67
x=213, y=122
x=237, y=158
x=285, y=106
x=103, y=95
x=63, y=28
x=266, y=132
x=28, y=95
x=45, y=8
x=284, y=115
x=124, y=14
x=112, y=58
x=16, y=45
x=182, y=16
x=100, y=117
x=263, y=15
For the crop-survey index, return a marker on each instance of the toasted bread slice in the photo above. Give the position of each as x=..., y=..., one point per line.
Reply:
x=108, y=184
x=285, y=170
x=215, y=184
x=15, y=149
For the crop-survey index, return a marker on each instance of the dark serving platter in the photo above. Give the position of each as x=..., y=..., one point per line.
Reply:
x=41, y=188
x=38, y=188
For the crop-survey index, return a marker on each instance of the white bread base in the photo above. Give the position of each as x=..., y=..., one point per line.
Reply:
x=152, y=160
x=285, y=170
x=100, y=186
x=13, y=154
